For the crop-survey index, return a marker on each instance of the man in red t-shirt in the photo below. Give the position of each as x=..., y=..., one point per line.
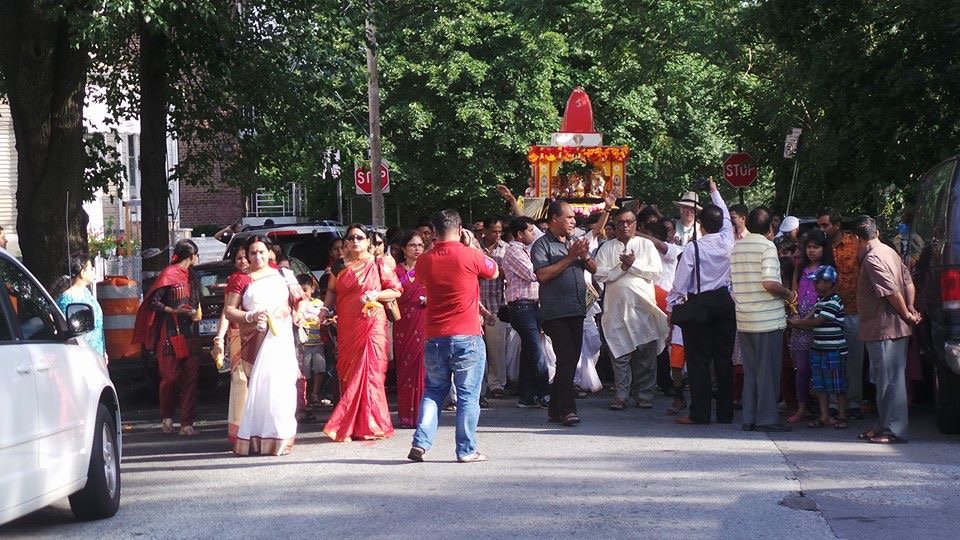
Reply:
x=450, y=272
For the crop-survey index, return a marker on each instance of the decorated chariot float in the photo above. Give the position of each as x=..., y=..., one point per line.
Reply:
x=576, y=166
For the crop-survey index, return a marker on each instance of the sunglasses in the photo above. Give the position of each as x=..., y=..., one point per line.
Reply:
x=626, y=221
x=355, y=238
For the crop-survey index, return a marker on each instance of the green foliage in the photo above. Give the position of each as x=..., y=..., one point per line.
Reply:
x=261, y=89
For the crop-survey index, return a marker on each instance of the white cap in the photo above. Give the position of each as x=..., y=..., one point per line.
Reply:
x=789, y=223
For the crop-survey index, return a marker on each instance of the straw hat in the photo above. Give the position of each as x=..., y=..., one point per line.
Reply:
x=690, y=199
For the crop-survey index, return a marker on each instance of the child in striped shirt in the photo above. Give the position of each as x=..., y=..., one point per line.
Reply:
x=828, y=354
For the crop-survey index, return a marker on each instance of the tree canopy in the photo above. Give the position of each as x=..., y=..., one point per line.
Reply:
x=262, y=89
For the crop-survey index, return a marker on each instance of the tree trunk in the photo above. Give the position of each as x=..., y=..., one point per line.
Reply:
x=45, y=79
x=154, y=193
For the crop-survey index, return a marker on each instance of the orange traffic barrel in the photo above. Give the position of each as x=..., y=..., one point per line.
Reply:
x=119, y=298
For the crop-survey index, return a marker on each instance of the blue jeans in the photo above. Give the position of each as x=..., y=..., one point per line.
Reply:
x=525, y=321
x=464, y=357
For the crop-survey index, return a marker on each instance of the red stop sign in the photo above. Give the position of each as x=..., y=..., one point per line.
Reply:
x=363, y=178
x=739, y=170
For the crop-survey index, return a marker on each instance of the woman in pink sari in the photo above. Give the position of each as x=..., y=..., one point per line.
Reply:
x=358, y=286
x=409, y=334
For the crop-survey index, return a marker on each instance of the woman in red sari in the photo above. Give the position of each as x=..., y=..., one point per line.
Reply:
x=357, y=287
x=409, y=334
x=168, y=309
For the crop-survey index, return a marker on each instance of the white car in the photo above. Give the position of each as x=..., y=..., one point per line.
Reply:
x=59, y=413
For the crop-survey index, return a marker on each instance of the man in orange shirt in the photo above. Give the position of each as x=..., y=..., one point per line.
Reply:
x=845, y=247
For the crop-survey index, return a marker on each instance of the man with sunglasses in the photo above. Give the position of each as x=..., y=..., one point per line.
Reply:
x=635, y=328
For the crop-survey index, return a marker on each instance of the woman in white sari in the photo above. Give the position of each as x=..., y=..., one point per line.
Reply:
x=265, y=307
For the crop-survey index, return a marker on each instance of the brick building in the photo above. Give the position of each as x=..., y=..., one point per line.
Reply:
x=213, y=204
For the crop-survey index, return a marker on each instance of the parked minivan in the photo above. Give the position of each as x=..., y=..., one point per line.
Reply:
x=934, y=257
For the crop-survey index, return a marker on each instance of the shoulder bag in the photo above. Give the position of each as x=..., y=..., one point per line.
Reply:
x=178, y=341
x=692, y=312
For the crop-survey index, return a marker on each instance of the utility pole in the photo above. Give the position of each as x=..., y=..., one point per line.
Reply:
x=373, y=101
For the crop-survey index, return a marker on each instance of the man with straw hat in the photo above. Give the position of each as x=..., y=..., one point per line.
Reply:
x=689, y=205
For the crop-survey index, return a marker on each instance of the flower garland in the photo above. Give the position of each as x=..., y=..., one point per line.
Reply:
x=594, y=154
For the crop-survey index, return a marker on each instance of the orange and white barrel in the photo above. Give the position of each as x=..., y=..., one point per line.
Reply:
x=119, y=298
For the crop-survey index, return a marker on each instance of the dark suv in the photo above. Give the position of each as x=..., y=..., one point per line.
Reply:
x=933, y=249
x=308, y=243
x=305, y=242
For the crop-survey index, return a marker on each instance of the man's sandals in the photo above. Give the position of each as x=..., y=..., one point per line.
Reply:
x=881, y=438
x=839, y=423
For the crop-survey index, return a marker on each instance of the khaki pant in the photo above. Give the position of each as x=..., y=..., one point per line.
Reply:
x=635, y=373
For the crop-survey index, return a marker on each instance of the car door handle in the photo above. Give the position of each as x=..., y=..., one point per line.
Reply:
x=24, y=370
x=42, y=367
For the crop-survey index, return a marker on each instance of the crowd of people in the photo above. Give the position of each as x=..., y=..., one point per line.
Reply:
x=738, y=307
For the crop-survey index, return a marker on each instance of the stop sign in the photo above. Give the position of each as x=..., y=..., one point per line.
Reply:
x=739, y=170
x=361, y=178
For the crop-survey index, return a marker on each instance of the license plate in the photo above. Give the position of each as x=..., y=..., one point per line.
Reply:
x=208, y=327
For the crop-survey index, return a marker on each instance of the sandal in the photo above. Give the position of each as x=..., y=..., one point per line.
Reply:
x=796, y=417
x=867, y=435
x=618, y=405
x=571, y=419
x=167, y=425
x=819, y=423
x=840, y=423
x=677, y=406
x=887, y=438
x=188, y=431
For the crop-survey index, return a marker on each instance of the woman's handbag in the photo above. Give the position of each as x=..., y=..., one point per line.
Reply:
x=178, y=341
x=692, y=312
x=390, y=307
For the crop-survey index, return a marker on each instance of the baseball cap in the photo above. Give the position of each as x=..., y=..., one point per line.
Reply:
x=826, y=272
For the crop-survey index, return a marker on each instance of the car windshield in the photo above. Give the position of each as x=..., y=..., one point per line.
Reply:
x=213, y=281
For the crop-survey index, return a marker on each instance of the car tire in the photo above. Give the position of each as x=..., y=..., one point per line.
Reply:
x=100, y=498
x=948, y=401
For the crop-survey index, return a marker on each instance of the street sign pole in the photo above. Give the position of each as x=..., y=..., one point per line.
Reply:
x=373, y=101
x=791, y=149
x=793, y=183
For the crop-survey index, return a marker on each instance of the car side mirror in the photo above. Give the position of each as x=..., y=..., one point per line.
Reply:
x=80, y=318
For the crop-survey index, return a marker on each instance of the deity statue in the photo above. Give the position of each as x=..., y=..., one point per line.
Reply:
x=597, y=183
x=576, y=185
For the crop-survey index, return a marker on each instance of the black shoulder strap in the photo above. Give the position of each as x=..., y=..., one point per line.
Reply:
x=696, y=258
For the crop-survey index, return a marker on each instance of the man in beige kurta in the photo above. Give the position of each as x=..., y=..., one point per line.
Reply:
x=634, y=327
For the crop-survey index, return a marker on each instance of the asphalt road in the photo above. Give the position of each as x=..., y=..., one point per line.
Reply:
x=628, y=474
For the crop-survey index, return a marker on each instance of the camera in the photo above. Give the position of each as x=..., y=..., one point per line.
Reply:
x=702, y=184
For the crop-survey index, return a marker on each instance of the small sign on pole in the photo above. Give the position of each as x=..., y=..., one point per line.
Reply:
x=791, y=142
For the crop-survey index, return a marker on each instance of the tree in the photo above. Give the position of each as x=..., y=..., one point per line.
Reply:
x=44, y=74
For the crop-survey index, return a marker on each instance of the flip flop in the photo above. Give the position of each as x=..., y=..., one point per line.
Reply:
x=867, y=435
x=618, y=405
x=887, y=438
x=167, y=425
x=795, y=418
x=840, y=423
x=677, y=406
x=570, y=419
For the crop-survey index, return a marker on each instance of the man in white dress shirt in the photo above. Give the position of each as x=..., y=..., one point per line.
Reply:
x=634, y=327
x=710, y=343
